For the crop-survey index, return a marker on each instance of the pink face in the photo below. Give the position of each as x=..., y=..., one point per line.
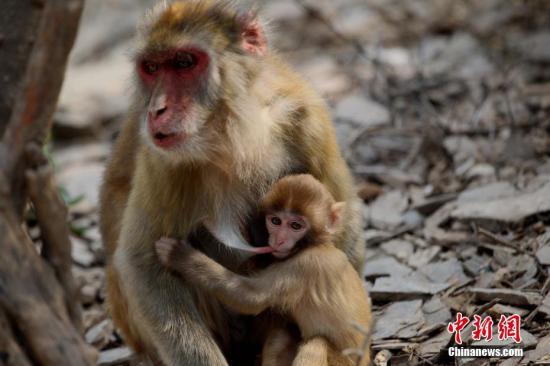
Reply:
x=174, y=80
x=285, y=230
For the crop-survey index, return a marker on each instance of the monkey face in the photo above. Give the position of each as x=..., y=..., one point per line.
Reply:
x=181, y=69
x=285, y=230
x=177, y=83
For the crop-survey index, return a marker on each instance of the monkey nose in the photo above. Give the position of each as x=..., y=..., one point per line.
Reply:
x=160, y=111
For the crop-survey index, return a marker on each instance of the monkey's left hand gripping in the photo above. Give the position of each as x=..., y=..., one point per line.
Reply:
x=172, y=251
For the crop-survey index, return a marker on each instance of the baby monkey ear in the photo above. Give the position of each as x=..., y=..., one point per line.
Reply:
x=253, y=38
x=335, y=219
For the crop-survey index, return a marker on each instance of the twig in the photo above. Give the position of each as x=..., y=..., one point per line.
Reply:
x=398, y=233
x=316, y=14
x=51, y=213
x=499, y=240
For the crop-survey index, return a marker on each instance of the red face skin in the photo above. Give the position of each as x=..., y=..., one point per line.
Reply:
x=174, y=78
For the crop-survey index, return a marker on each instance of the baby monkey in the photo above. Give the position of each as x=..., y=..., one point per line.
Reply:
x=310, y=280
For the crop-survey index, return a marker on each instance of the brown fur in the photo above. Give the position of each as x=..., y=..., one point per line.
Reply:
x=316, y=286
x=267, y=123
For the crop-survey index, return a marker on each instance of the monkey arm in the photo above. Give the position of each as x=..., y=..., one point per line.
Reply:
x=160, y=304
x=247, y=295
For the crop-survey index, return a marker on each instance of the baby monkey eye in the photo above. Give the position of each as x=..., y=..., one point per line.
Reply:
x=296, y=225
x=276, y=221
x=149, y=67
x=184, y=60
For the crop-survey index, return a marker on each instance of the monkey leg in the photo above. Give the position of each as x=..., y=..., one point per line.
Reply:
x=318, y=351
x=279, y=348
x=313, y=352
x=118, y=308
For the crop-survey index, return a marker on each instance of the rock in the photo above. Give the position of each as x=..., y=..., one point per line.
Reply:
x=92, y=316
x=392, y=323
x=489, y=192
x=80, y=253
x=422, y=257
x=345, y=132
x=543, y=255
x=527, y=340
x=79, y=153
x=400, y=249
x=385, y=266
x=461, y=148
x=412, y=219
x=449, y=271
x=283, y=11
x=500, y=309
x=534, y=46
x=436, y=312
x=82, y=181
x=355, y=22
x=100, y=334
x=545, y=306
x=434, y=345
x=506, y=296
x=512, y=209
x=93, y=94
x=492, y=17
x=541, y=354
x=433, y=231
x=104, y=24
x=88, y=294
x=476, y=264
x=390, y=176
x=404, y=288
x=325, y=75
x=523, y=264
x=480, y=170
x=362, y=111
x=460, y=55
x=115, y=356
x=382, y=358
x=386, y=211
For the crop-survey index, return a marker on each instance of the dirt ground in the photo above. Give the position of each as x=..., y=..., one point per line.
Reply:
x=442, y=112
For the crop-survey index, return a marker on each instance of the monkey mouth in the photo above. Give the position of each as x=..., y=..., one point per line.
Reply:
x=167, y=140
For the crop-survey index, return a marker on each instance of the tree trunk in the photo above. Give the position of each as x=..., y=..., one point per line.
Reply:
x=39, y=311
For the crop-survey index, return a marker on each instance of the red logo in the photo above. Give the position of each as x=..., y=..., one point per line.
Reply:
x=457, y=326
x=508, y=327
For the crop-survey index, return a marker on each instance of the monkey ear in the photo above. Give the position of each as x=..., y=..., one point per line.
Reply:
x=253, y=38
x=336, y=213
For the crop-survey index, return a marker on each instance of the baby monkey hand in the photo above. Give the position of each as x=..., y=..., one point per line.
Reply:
x=172, y=252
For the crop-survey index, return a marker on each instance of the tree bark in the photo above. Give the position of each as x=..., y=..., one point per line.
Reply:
x=39, y=313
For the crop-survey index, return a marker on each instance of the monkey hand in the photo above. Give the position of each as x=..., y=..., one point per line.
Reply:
x=171, y=251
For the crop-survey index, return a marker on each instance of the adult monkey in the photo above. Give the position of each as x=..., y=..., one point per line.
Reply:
x=217, y=118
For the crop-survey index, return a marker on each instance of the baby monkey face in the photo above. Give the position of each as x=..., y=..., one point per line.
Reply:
x=285, y=230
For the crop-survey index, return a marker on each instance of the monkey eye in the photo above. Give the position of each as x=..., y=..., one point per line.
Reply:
x=276, y=221
x=149, y=67
x=184, y=60
x=296, y=225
